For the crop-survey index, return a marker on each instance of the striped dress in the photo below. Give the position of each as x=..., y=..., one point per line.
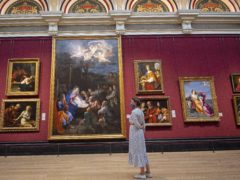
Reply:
x=137, y=155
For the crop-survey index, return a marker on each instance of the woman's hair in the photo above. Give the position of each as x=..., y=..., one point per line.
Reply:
x=137, y=101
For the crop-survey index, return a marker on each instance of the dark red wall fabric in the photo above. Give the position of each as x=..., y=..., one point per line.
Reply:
x=216, y=56
x=37, y=47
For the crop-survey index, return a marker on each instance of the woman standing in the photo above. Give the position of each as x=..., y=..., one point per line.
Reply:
x=137, y=148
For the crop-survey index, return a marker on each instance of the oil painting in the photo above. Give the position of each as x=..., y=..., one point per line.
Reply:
x=235, y=79
x=236, y=104
x=23, y=77
x=199, y=101
x=148, y=77
x=87, y=89
x=20, y=115
x=156, y=111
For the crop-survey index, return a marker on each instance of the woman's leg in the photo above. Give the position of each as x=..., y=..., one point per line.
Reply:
x=142, y=170
x=148, y=168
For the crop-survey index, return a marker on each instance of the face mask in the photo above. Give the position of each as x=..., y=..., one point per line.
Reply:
x=133, y=105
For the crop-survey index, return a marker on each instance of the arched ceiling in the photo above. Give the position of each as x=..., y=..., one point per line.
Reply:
x=214, y=5
x=151, y=5
x=86, y=6
x=23, y=6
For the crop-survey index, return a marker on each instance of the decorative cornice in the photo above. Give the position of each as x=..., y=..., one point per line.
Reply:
x=154, y=23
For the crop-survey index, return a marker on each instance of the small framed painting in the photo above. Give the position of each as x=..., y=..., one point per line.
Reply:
x=148, y=77
x=20, y=115
x=156, y=111
x=22, y=77
x=236, y=104
x=235, y=78
x=199, y=101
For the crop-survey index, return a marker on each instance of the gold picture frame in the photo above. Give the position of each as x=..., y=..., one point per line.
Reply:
x=236, y=105
x=22, y=77
x=199, y=100
x=148, y=77
x=20, y=115
x=157, y=111
x=87, y=100
x=235, y=79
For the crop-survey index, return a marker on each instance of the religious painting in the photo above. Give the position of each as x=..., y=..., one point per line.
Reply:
x=199, y=101
x=154, y=6
x=156, y=111
x=235, y=78
x=212, y=6
x=87, y=89
x=20, y=115
x=148, y=77
x=24, y=7
x=236, y=104
x=87, y=6
x=22, y=77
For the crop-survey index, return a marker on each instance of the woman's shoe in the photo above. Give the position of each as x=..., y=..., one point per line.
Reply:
x=148, y=175
x=140, y=176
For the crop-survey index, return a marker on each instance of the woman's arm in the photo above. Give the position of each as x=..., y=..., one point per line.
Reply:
x=134, y=121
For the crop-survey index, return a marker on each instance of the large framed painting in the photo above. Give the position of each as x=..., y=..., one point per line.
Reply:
x=236, y=104
x=199, y=101
x=20, y=115
x=22, y=77
x=148, y=77
x=235, y=79
x=87, y=99
x=156, y=110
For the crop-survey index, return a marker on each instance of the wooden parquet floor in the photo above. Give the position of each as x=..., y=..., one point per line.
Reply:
x=218, y=165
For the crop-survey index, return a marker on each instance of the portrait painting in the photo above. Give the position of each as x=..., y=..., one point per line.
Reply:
x=87, y=89
x=148, y=77
x=236, y=104
x=199, y=101
x=20, y=115
x=22, y=77
x=156, y=111
x=235, y=79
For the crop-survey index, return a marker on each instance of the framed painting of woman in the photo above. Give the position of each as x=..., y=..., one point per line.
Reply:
x=236, y=104
x=22, y=77
x=148, y=77
x=156, y=110
x=199, y=101
x=235, y=79
x=20, y=115
x=87, y=89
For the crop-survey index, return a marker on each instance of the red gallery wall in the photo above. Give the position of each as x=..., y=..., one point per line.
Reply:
x=217, y=56
x=28, y=48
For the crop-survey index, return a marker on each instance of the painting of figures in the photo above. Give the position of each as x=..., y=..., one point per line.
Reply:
x=87, y=92
x=156, y=110
x=20, y=115
x=236, y=104
x=148, y=77
x=199, y=101
x=23, y=77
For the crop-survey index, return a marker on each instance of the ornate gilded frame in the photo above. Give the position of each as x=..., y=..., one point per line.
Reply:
x=53, y=133
x=199, y=100
x=235, y=80
x=144, y=76
x=8, y=112
x=27, y=84
x=236, y=105
x=160, y=113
